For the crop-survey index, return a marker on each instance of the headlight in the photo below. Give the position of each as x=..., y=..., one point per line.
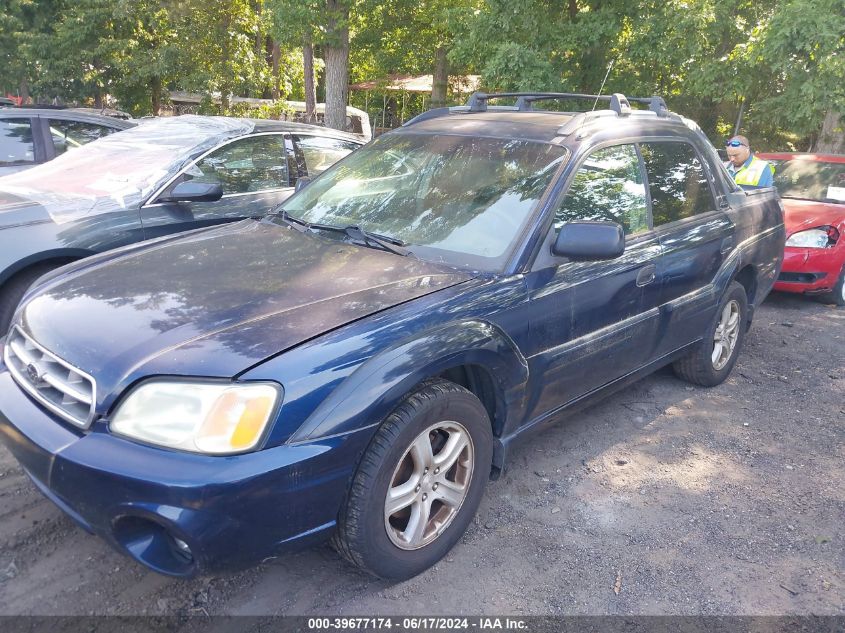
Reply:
x=821, y=237
x=204, y=417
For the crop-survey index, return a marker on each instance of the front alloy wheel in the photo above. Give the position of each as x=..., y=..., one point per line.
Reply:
x=429, y=485
x=419, y=482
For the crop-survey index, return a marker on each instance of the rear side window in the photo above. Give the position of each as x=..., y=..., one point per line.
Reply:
x=69, y=134
x=676, y=181
x=252, y=164
x=321, y=152
x=16, y=144
x=608, y=186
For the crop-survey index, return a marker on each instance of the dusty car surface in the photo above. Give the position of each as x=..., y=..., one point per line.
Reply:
x=356, y=366
x=165, y=176
x=813, y=190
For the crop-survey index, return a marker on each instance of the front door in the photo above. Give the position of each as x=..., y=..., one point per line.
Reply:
x=253, y=172
x=595, y=321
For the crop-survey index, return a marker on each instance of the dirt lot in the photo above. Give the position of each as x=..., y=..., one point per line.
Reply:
x=665, y=499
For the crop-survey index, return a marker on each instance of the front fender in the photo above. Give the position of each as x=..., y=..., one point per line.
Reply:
x=375, y=388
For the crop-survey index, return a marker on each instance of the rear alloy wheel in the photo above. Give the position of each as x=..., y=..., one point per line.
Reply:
x=418, y=484
x=711, y=360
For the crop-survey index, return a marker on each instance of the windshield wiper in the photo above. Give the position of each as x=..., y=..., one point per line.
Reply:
x=385, y=242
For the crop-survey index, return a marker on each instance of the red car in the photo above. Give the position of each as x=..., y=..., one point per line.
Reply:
x=813, y=190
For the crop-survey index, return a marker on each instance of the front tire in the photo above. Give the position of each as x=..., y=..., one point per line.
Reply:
x=712, y=359
x=419, y=483
x=838, y=294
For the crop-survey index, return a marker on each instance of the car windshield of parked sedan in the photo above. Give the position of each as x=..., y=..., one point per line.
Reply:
x=456, y=199
x=120, y=170
x=810, y=179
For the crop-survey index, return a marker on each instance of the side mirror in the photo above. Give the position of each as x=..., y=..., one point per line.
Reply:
x=190, y=191
x=590, y=240
x=301, y=183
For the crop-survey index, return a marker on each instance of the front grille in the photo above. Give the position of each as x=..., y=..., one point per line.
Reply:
x=59, y=386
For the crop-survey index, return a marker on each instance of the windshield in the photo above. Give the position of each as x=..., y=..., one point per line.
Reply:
x=809, y=179
x=456, y=199
x=119, y=170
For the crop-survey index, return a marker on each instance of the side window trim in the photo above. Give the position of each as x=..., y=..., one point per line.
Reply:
x=153, y=199
x=707, y=176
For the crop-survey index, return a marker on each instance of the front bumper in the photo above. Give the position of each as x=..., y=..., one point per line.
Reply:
x=810, y=270
x=152, y=503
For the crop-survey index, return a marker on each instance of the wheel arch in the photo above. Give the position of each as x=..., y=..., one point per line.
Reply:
x=477, y=355
x=59, y=256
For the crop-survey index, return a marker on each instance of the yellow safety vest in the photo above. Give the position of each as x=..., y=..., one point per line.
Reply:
x=750, y=174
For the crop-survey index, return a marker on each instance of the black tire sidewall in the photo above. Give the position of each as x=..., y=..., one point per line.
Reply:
x=380, y=555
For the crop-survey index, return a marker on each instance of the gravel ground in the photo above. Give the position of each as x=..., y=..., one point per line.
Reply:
x=664, y=499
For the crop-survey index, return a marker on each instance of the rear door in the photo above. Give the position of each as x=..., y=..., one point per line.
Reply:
x=253, y=172
x=695, y=236
x=595, y=321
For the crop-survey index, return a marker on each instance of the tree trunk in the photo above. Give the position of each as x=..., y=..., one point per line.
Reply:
x=98, y=99
x=337, y=63
x=155, y=95
x=277, y=62
x=440, y=83
x=573, y=10
x=310, y=85
x=24, y=91
x=832, y=137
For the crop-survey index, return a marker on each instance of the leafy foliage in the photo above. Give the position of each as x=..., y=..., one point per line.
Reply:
x=780, y=64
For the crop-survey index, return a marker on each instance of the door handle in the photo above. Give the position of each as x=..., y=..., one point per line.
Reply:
x=727, y=245
x=646, y=275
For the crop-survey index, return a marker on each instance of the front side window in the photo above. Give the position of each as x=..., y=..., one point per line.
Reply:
x=608, y=186
x=457, y=199
x=320, y=152
x=70, y=134
x=676, y=181
x=253, y=164
x=16, y=144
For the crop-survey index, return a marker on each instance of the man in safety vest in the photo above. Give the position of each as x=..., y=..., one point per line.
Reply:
x=748, y=171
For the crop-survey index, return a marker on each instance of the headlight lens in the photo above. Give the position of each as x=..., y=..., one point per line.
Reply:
x=821, y=237
x=203, y=417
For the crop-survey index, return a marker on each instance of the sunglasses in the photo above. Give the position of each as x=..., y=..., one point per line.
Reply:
x=735, y=144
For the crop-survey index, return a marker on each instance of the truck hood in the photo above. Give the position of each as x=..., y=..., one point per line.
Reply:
x=805, y=214
x=216, y=302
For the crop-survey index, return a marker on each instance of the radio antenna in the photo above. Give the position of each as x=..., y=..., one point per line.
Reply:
x=609, y=66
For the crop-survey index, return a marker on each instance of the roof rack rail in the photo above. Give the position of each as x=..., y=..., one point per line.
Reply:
x=619, y=103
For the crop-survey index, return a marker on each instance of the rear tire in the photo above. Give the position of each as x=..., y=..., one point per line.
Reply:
x=712, y=359
x=14, y=290
x=419, y=483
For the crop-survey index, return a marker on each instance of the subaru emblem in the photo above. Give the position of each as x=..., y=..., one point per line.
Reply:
x=33, y=373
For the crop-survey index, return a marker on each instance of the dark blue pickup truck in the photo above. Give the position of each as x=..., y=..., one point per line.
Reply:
x=356, y=365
